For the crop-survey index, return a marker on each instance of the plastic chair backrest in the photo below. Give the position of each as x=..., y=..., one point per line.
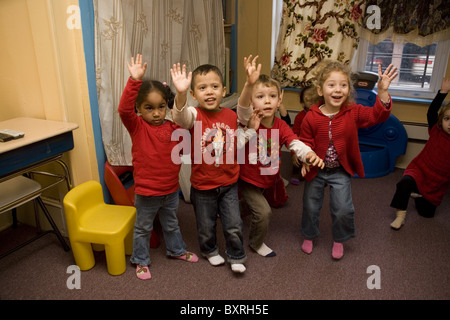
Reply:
x=117, y=187
x=81, y=199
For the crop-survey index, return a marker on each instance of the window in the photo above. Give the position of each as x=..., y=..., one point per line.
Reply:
x=421, y=69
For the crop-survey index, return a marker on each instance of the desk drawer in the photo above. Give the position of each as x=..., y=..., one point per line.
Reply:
x=18, y=159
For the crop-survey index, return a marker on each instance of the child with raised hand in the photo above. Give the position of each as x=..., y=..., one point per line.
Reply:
x=428, y=174
x=155, y=174
x=214, y=167
x=330, y=128
x=264, y=95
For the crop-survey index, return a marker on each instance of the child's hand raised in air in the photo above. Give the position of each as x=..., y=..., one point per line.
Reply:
x=252, y=70
x=136, y=68
x=445, y=86
x=179, y=78
x=386, y=78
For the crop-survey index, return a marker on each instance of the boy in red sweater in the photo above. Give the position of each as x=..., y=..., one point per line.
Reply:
x=155, y=174
x=214, y=167
x=263, y=94
x=330, y=128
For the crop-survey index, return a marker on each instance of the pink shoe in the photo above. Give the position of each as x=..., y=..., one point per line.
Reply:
x=307, y=246
x=143, y=273
x=188, y=256
x=338, y=250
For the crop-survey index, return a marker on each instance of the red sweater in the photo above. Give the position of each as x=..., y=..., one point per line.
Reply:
x=206, y=174
x=155, y=173
x=298, y=122
x=431, y=167
x=344, y=130
x=251, y=173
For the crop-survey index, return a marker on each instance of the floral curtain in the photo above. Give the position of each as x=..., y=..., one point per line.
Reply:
x=421, y=22
x=311, y=31
x=165, y=32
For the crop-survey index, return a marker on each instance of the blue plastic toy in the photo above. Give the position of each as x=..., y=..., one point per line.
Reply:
x=380, y=145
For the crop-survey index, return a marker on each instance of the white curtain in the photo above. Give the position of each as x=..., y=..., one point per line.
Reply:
x=165, y=32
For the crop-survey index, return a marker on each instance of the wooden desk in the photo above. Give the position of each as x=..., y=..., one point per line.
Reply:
x=45, y=141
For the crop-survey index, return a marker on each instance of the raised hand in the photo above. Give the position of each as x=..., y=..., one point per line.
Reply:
x=445, y=86
x=136, y=68
x=252, y=70
x=386, y=78
x=181, y=81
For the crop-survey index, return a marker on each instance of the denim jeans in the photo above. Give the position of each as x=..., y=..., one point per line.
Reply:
x=222, y=202
x=341, y=205
x=147, y=207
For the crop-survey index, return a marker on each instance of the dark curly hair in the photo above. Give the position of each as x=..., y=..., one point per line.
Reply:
x=148, y=86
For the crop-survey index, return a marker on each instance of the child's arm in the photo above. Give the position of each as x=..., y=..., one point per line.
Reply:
x=182, y=116
x=127, y=104
x=385, y=80
x=284, y=115
x=253, y=71
x=432, y=114
x=244, y=135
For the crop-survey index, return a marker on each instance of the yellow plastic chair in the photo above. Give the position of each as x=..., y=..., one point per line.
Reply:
x=91, y=221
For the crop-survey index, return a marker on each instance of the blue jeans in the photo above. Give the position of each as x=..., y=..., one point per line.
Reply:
x=147, y=207
x=341, y=205
x=222, y=202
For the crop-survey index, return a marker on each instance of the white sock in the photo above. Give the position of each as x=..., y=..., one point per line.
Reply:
x=216, y=260
x=265, y=251
x=238, y=267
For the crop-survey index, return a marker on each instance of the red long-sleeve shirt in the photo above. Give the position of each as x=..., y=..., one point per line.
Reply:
x=155, y=173
x=344, y=129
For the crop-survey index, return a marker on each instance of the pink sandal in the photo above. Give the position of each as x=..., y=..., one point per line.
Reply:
x=188, y=256
x=143, y=273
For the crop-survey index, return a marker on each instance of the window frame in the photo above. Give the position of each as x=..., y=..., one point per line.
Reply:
x=439, y=69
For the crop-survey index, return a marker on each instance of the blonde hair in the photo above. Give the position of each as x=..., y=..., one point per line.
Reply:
x=441, y=113
x=323, y=71
x=308, y=97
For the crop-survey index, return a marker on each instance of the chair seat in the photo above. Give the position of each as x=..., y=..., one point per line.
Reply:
x=17, y=188
x=104, y=220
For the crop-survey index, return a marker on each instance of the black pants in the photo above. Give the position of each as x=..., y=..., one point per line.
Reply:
x=405, y=187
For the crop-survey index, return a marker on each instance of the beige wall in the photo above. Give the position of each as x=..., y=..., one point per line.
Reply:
x=43, y=75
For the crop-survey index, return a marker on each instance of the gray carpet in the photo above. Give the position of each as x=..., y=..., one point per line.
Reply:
x=414, y=262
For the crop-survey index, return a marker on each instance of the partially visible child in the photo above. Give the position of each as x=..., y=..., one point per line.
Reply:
x=330, y=128
x=214, y=169
x=428, y=174
x=264, y=95
x=306, y=101
x=155, y=174
x=284, y=114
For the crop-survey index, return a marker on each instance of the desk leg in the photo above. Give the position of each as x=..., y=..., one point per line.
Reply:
x=67, y=177
x=53, y=224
